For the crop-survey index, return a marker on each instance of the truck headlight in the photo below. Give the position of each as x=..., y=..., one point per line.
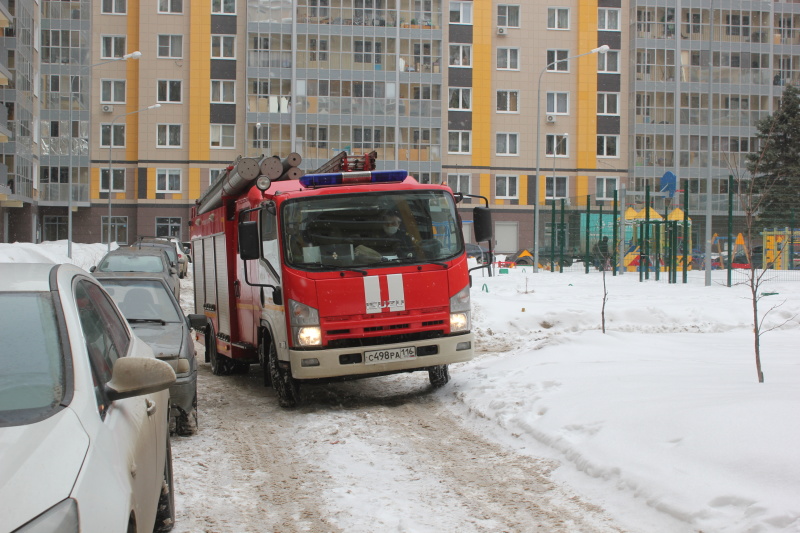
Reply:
x=459, y=311
x=304, y=320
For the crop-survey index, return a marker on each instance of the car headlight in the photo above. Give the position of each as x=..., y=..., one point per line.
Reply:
x=61, y=518
x=459, y=311
x=304, y=320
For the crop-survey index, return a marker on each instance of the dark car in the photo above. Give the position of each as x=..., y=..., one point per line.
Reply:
x=479, y=253
x=135, y=262
x=156, y=317
x=171, y=246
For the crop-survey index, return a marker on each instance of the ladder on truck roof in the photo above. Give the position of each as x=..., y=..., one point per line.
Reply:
x=342, y=162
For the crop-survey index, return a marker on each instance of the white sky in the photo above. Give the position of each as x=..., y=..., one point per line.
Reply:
x=661, y=421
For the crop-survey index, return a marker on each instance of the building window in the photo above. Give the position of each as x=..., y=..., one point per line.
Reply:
x=608, y=19
x=460, y=183
x=168, y=135
x=606, y=187
x=168, y=227
x=223, y=135
x=557, y=18
x=168, y=180
x=557, y=60
x=114, y=7
x=169, y=91
x=461, y=55
x=507, y=144
x=508, y=16
x=319, y=8
x=607, y=145
x=119, y=230
x=560, y=143
x=507, y=101
x=55, y=228
x=223, y=7
x=112, y=136
x=223, y=46
x=608, y=62
x=608, y=103
x=363, y=51
x=318, y=49
x=170, y=6
x=555, y=187
x=117, y=180
x=170, y=46
x=213, y=175
x=319, y=136
x=461, y=12
x=508, y=59
x=458, y=142
x=460, y=99
x=557, y=103
x=112, y=46
x=260, y=136
x=112, y=91
x=737, y=25
x=505, y=187
x=223, y=91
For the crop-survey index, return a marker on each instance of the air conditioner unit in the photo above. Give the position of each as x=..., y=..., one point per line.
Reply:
x=107, y=108
x=502, y=30
x=551, y=119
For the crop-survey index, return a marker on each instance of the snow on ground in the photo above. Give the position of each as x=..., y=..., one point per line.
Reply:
x=661, y=420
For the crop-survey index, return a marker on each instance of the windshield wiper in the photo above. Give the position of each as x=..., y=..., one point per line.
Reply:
x=333, y=268
x=145, y=320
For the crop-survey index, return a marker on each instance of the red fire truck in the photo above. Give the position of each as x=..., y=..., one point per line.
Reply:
x=336, y=275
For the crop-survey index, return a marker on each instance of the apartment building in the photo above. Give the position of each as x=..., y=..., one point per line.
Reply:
x=5, y=134
x=524, y=85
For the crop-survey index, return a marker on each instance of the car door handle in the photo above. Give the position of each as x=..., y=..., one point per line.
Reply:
x=151, y=406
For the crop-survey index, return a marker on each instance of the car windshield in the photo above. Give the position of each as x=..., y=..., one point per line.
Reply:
x=141, y=299
x=169, y=248
x=32, y=382
x=131, y=263
x=331, y=232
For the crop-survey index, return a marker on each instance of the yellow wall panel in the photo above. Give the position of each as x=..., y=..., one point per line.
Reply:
x=119, y=196
x=482, y=53
x=522, y=193
x=581, y=189
x=94, y=183
x=198, y=135
x=132, y=85
x=151, y=183
x=587, y=86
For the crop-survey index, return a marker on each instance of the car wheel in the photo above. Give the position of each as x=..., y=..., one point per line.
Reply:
x=439, y=375
x=165, y=516
x=220, y=364
x=284, y=384
x=186, y=423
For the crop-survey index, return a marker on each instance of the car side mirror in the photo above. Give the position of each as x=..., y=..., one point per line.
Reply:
x=198, y=322
x=173, y=271
x=137, y=376
x=92, y=268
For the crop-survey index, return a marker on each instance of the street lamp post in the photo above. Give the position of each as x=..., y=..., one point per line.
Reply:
x=110, y=177
x=132, y=55
x=601, y=50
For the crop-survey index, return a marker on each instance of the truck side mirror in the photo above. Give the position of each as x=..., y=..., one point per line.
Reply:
x=249, y=240
x=482, y=223
x=198, y=322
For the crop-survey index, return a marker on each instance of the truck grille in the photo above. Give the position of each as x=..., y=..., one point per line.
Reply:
x=357, y=342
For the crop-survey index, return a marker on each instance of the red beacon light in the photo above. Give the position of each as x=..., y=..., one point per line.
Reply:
x=353, y=178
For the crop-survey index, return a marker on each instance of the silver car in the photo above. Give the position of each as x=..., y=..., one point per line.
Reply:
x=134, y=262
x=156, y=318
x=84, y=432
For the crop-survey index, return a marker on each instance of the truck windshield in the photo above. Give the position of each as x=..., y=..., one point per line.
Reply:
x=330, y=232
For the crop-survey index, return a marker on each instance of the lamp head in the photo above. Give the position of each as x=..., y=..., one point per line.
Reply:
x=601, y=49
x=133, y=55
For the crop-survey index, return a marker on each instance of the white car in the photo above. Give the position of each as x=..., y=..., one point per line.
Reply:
x=84, y=407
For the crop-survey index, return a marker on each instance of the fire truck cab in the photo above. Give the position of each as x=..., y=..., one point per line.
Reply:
x=335, y=276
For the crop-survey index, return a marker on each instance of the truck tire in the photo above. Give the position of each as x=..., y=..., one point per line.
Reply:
x=439, y=375
x=220, y=364
x=284, y=384
x=263, y=359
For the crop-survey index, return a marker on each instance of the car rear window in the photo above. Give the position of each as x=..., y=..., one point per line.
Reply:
x=32, y=382
x=170, y=249
x=142, y=299
x=131, y=263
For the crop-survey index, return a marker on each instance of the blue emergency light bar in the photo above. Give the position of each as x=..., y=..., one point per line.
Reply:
x=353, y=178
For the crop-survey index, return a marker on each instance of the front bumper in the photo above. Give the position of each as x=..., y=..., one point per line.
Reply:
x=182, y=393
x=331, y=367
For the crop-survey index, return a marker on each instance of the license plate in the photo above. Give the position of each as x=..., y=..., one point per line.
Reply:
x=387, y=356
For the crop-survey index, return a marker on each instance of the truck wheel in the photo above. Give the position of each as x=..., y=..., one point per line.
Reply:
x=220, y=365
x=263, y=359
x=439, y=375
x=282, y=381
